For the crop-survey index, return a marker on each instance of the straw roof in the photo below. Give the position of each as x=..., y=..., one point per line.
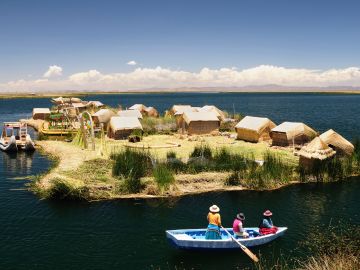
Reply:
x=130, y=113
x=41, y=111
x=103, y=115
x=293, y=129
x=199, y=117
x=180, y=109
x=79, y=105
x=337, y=141
x=317, y=149
x=255, y=123
x=124, y=123
x=214, y=109
x=96, y=103
x=61, y=100
x=140, y=107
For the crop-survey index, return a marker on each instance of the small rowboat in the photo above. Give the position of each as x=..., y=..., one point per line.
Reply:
x=195, y=239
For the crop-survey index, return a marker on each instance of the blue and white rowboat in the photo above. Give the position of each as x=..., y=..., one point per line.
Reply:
x=195, y=238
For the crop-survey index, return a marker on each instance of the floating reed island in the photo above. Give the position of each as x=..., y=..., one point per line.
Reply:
x=102, y=152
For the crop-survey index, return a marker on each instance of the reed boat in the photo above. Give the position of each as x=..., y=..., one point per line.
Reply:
x=15, y=137
x=195, y=238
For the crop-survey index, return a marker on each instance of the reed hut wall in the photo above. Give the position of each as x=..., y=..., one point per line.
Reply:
x=202, y=127
x=250, y=135
x=120, y=134
x=281, y=139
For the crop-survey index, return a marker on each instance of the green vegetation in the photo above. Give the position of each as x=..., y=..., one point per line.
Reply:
x=202, y=151
x=334, y=169
x=332, y=248
x=63, y=190
x=163, y=176
x=159, y=125
x=131, y=165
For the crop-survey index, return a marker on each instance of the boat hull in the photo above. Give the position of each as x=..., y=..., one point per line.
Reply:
x=195, y=239
x=13, y=145
x=8, y=146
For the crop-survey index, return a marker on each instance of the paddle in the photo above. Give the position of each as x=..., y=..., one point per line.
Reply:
x=245, y=249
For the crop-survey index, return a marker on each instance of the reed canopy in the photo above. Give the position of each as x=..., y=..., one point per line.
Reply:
x=337, y=142
x=140, y=107
x=62, y=100
x=102, y=116
x=200, y=122
x=130, y=113
x=178, y=110
x=121, y=127
x=151, y=112
x=211, y=108
x=254, y=129
x=289, y=133
x=316, y=150
x=40, y=113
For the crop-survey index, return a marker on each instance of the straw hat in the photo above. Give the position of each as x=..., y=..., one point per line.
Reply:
x=267, y=213
x=240, y=216
x=214, y=208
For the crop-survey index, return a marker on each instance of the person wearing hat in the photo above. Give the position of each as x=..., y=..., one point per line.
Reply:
x=238, y=226
x=266, y=225
x=213, y=229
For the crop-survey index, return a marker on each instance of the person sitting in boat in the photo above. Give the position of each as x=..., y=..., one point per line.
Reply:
x=238, y=226
x=213, y=229
x=266, y=225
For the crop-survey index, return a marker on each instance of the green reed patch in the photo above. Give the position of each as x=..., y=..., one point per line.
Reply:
x=163, y=176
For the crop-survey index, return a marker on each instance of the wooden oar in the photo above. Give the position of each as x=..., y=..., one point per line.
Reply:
x=245, y=249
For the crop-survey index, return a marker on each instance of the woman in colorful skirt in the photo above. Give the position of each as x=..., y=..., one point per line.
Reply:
x=213, y=229
x=266, y=225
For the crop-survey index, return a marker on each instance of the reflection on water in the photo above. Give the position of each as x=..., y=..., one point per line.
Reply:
x=17, y=162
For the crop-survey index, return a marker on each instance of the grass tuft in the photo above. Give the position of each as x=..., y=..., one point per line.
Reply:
x=163, y=176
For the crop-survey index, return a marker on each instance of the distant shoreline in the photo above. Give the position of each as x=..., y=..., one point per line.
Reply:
x=172, y=91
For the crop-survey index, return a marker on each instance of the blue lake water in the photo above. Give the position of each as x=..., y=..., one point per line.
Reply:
x=129, y=234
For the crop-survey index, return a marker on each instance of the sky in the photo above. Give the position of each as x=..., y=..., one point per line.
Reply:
x=109, y=44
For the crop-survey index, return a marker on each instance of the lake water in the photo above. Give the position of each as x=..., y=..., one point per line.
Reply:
x=129, y=234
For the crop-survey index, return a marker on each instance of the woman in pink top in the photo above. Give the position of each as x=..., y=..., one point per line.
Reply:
x=238, y=226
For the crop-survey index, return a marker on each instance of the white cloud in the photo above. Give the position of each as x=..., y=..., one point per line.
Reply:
x=53, y=71
x=142, y=78
x=132, y=63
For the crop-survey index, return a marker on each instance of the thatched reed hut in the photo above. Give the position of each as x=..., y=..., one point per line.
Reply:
x=200, y=122
x=122, y=127
x=102, y=116
x=140, y=107
x=337, y=142
x=290, y=133
x=315, y=151
x=151, y=112
x=66, y=100
x=96, y=104
x=80, y=107
x=41, y=113
x=211, y=108
x=254, y=129
x=179, y=109
x=130, y=113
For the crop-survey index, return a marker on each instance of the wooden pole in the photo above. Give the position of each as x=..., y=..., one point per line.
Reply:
x=243, y=248
x=83, y=131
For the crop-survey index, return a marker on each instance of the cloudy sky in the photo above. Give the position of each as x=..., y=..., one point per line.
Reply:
x=108, y=45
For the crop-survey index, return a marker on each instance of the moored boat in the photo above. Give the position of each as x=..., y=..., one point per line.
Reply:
x=195, y=238
x=15, y=137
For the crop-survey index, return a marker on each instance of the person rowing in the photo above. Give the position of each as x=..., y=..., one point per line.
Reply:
x=238, y=226
x=266, y=225
x=214, y=219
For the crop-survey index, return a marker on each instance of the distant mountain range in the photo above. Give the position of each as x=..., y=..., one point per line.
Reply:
x=250, y=88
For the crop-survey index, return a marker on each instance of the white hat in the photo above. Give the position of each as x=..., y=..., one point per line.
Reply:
x=214, y=208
